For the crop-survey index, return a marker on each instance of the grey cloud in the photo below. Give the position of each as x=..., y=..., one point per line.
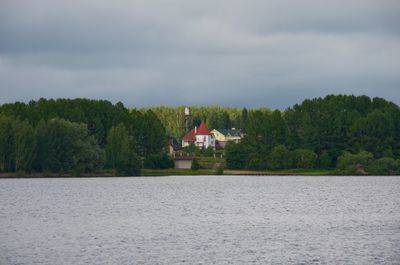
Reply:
x=243, y=53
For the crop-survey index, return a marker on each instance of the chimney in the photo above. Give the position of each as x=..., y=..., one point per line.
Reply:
x=195, y=129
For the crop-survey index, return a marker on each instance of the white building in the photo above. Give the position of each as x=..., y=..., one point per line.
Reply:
x=200, y=137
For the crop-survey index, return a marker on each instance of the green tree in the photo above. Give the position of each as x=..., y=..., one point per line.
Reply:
x=237, y=155
x=279, y=158
x=24, y=145
x=225, y=121
x=243, y=118
x=154, y=134
x=325, y=160
x=63, y=146
x=195, y=164
x=303, y=158
x=191, y=148
x=119, y=154
x=348, y=162
x=256, y=162
x=92, y=157
x=374, y=133
x=158, y=161
x=384, y=166
x=208, y=152
x=7, y=157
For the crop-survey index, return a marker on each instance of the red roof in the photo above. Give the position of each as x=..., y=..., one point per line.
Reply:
x=191, y=136
x=202, y=130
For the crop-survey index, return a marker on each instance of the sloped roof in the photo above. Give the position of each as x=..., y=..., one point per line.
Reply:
x=230, y=132
x=203, y=129
x=190, y=136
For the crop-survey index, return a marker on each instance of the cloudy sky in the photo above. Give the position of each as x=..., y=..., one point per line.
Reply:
x=177, y=52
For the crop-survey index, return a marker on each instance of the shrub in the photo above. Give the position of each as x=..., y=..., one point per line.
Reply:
x=303, y=158
x=325, y=160
x=47, y=173
x=208, y=152
x=158, y=161
x=20, y=173
x=278, y=159
x=77, y=172
x=383, y=166
x=219, y=170
x=347, y=163
x=235, y=157
x=256, y=163
x=195, y=164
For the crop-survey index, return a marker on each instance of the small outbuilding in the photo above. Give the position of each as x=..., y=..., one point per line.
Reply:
x=183, y=162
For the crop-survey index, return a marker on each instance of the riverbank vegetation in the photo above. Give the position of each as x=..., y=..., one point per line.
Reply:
x=322, y=133
x=340, y=134
x=77, y=136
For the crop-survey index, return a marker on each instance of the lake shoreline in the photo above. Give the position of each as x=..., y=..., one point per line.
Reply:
x=182, y=172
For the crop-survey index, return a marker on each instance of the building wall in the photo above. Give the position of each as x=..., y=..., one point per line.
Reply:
x=218, y=136
x=205, y=141
x=233, y=139
x=183, y=164
x=223, y=138
x=184, y=144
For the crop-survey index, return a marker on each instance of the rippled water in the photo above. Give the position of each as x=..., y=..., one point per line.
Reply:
x=200, y=220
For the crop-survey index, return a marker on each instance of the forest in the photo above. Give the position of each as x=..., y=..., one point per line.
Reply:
x=75, y=136
x=337, y=131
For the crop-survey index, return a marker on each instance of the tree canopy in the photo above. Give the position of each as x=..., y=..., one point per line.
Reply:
x=66, y=135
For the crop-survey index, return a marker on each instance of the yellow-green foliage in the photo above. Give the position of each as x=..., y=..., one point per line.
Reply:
x=172, y=117
x=211, y=162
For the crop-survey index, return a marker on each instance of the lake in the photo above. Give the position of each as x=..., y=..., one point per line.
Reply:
x=200, y=220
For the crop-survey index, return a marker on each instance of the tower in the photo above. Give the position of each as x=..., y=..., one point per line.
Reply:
x=187, y=119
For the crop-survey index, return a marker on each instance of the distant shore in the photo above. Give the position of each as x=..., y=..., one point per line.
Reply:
x=177, y=172
x=189, y=172
x=55, y=175
x=185, y=172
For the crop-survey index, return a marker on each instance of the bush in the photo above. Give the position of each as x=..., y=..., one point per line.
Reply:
x=208, y=152
x=303, y=158
x=384, y=166
x=325, y=160
x=191, y=148
x=219, y=170
x=195, y=164
x=235, y=157
x=278, y=159
x=77, y=172
x=256, y=163
x=158, y=161
x=47, y=173
x=347, y=163
x=20, y=173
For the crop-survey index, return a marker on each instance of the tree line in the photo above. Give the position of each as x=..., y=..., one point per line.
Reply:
x=73, y=136
x=317, y=132
x=216, y=117
x=81, y=135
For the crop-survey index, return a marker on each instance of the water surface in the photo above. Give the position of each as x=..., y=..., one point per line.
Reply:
x=200, y=220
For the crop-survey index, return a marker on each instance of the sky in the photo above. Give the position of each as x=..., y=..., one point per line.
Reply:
x=248, y=53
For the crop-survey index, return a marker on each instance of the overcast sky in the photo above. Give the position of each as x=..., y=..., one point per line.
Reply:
x=245, y=53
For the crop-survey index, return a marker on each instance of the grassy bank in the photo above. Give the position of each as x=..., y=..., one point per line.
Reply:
x=176, y=172
x=185, y=172
x=189, y=172
x=297, y=172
